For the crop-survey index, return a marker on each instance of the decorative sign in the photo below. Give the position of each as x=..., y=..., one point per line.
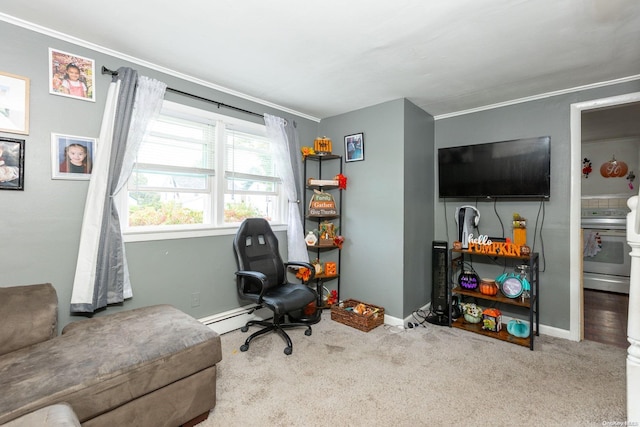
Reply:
x=483, y=245
x=322, y=145
x=613, y=168
x=322, y=204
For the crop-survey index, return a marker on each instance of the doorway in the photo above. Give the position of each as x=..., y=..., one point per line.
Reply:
x=577, y=293
x=608, y=134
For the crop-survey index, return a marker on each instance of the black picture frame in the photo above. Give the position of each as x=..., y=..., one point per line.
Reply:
x=354, y=147
x=11, y=164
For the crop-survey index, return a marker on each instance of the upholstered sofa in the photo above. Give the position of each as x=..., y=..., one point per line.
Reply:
x=151, y=366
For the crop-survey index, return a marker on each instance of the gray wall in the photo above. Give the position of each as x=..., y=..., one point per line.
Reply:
x=549, y=116
x=40, y=226
x=387, y=209
x=419, y=142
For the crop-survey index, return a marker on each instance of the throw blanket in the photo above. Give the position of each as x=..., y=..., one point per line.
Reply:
x=592, y=244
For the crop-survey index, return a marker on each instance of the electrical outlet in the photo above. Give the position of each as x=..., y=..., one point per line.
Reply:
x=195, y=299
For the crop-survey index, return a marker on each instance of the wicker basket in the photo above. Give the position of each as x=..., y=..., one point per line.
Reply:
x=363, y=322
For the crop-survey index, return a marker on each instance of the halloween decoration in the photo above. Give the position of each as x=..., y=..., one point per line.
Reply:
x=492, y=320
x=330, y=268
x=311, y=239
x=630, y=177
x=472, y=313
x=614, y=168
x=488, y=287
x=518, y=328
x=586, y=167
x=322, y=145
x=468, y=280
x=307, y=151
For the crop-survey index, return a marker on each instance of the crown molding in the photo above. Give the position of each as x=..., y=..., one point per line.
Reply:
x=80, y=42
x=538, y=97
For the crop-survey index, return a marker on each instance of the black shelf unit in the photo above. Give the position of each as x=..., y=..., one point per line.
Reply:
x=531, y=304
x=318, y=250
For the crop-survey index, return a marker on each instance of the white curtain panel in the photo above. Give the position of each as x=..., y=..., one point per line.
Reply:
x=149, y=98
x=296, y=246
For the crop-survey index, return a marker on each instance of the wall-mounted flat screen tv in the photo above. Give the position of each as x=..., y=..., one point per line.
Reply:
x=519, y=168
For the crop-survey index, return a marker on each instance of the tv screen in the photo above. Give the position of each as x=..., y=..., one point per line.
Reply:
x=517, y=168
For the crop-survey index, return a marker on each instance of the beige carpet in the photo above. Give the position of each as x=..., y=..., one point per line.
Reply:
x=433, y=376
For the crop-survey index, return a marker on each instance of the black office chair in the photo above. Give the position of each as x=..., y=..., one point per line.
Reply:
x=262, y=279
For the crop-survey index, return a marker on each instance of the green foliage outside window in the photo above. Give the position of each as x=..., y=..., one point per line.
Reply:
x=236, y=212
x=168, y=213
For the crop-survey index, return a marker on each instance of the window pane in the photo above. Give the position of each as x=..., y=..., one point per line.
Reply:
x=166, y=208
x=175, y=181
x=250, y=184
x=238, y=207
x=157, y=179
x=246, y=153
x=177, y=142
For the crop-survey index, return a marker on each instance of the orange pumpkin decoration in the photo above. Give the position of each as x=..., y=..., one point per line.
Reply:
x=488, y=287
x=614, y=168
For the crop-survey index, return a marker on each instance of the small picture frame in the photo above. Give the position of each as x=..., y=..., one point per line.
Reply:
x=14, y=103
x=11, y=164
x=354, y=147
x=72, y=156
x=71, y=75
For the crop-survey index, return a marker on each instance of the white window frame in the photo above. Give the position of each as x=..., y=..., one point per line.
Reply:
x=217, y=184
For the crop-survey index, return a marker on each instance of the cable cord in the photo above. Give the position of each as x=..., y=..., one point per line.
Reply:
x=541, y=208
x=446, y=222
x=495, y=209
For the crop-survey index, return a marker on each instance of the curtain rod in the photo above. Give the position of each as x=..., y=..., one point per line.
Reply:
x=105, y=70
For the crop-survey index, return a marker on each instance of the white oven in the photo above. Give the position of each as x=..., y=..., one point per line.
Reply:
x=606, y=259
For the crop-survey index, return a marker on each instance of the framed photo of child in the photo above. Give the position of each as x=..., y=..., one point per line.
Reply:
x=72, y=156
x=71, y=75
x=11, y=164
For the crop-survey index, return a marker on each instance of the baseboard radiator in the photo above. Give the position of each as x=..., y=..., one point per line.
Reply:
x=236, y=318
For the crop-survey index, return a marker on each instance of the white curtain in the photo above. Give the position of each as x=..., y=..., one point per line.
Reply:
x=102, y=276
x=282, y=147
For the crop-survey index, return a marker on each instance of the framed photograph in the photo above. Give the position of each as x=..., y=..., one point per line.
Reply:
x=14, y=103
x=11, y=164
x=354, y=147
x=71, y=75
x=72, y=156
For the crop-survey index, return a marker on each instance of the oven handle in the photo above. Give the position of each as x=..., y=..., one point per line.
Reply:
x=611, y=233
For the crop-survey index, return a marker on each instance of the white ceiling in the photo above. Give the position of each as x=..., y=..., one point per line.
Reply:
x=328, y=57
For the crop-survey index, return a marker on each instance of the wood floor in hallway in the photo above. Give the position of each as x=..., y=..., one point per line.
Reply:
x=605, y=317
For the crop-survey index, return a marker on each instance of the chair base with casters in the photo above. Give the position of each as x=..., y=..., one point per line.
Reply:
x=273, y=326
x=262, y=279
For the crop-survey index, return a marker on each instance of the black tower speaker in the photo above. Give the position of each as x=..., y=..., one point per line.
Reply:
x=439, y=292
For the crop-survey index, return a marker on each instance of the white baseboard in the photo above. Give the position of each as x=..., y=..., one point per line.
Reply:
x=235, y=319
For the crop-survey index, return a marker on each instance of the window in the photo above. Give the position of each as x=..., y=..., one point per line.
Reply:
x=176, y=183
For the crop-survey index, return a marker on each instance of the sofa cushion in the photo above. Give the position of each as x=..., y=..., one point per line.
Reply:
x=101, y=363
x=29, y=315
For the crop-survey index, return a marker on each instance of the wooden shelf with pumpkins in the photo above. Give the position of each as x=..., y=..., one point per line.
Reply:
x=519, y=288
x=324, y=183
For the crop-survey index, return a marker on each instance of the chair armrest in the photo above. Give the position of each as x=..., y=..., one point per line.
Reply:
x=29, y=315
x=257, y=276
x=311, y=268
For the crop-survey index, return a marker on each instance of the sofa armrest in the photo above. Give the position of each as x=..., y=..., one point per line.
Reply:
x=29, y=315
x=58, y=415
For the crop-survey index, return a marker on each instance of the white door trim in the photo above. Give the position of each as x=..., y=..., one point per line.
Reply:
x=575, y=243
